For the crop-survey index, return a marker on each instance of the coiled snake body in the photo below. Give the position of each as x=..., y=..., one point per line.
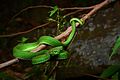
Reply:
x=23, y=50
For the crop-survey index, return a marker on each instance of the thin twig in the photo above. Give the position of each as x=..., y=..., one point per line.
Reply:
x=56, y=64
x=72, y=13
x=45, y=6
x=67, y=32
x=23, y=32
x=9, y=63
x=78, y=8
x=98, y=77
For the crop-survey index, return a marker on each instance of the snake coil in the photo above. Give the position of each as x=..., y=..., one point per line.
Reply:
x=23, y=50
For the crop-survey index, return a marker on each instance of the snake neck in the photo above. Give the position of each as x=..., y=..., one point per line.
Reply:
x=70, y=37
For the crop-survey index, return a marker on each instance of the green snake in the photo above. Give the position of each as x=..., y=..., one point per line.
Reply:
x=23, y=50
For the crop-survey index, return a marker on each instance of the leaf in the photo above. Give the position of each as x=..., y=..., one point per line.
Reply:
x=116, y=47
x=115, y=76
x=23, y=40
x=119, y=75
x=52, y=12
x=110, y=71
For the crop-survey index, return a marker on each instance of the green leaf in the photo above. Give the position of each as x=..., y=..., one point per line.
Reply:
x=115, y=76
x=110, y=71
x=119, y=75
x=23, y=40
x=52, y=12
x=116, y=47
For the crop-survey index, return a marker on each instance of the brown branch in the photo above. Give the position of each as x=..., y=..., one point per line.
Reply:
x=23, y=32
x=44, y=6
x=9, y=63
x=78, y=8
x=56, y=64
x=65, y=33
x=98, y=77
x=72, y=13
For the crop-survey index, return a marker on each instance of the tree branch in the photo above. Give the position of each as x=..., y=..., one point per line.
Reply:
x=44, y=6
x=23, y=32
x=8, y=63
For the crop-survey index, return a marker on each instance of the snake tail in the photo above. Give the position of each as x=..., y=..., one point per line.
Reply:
x=73, y=24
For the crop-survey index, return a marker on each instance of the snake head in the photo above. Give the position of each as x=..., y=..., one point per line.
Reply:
x=55, y=51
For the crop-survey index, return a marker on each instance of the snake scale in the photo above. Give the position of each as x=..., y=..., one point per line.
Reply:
x=23, y=50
